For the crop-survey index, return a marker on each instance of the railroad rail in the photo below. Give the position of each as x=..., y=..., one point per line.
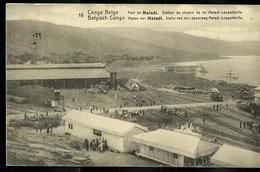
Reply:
x=217, y=134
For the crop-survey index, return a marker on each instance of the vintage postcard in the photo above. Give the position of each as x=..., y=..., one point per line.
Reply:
x=147, y=85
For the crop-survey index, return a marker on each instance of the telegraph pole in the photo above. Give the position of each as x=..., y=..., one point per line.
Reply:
x=63, y=102
x=37, y=36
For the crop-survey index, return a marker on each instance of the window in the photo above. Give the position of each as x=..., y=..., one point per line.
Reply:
x=175, y=155
x=97, y=132
x=150, y=148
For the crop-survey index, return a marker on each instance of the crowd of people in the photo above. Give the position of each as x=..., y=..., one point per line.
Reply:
x=126, y=114
x=96, y=109
x=138, y=102
x=250, y=125
x=175, y=111
x=142, y=102
x=96, y=144
x=218, y=107
x=41, y=122
x=187, y=126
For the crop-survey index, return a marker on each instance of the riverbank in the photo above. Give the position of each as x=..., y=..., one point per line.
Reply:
x=245, y=66
x=160, y=79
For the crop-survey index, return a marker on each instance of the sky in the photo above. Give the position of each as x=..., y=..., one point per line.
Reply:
x=68, y=14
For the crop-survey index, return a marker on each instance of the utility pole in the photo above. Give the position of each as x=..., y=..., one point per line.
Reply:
x=37, y=36
x=63, y=100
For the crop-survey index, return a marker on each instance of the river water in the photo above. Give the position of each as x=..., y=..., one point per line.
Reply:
x=247, y=68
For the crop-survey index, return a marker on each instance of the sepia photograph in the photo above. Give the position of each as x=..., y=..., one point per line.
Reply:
x=127, y=85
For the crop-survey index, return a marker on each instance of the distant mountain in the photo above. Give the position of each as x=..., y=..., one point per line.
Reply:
x=186, y=42
x=102, y=42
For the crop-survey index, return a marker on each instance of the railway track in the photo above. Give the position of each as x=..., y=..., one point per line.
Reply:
x=221, y=135
x=255, y=148
x=217, y=121
x=220, y=113
x=257, y=140
x=179, y=97
x=241, y=113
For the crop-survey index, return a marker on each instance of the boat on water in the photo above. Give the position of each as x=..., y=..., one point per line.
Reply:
x=231, y=75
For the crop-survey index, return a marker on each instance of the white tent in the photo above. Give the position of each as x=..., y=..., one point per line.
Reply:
x=214, y=90
x=133, y=84
x=257, y=89
x=230, y=156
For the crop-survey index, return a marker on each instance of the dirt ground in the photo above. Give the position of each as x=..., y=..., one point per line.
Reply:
x=113, y=99
x=230, y=117
x=25, y=147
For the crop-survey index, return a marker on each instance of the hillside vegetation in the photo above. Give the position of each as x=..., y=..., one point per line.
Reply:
x=66, y=44
x=63, y=44
x=186, y=42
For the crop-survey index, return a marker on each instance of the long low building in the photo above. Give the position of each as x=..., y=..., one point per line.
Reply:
x=56, y=75
x=119, y=134
x=257, y=103
x=175, y=148
x=232, y=156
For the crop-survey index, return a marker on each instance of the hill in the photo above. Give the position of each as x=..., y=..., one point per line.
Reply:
x=186, y=42
x=64, y=44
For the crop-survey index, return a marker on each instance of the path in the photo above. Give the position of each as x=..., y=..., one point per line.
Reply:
x=158, y=107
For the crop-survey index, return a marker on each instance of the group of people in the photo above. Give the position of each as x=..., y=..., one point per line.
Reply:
x=95, y=109
x=36, y=116
x=129, y=114
x=249, y=125
x=175, y=111
x=187, y=126
x=142, y=102
x=43, y=122
x=96, y=144
x=218, y=107
x=11, y=121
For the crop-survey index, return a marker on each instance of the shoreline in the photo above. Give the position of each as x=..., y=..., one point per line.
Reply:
x=246, y=84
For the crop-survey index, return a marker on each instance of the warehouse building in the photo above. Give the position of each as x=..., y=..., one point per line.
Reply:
x=185, y=67
x=257, y=103
x=257, y=90
x=175, y=148
x=232, y=156
x=118, y=133
x=58, y=76
x=257, y=99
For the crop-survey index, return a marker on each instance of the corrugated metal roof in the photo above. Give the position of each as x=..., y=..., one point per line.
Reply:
x=229, y=155
x=110, y=125
x=59, y=73
x=176, y=142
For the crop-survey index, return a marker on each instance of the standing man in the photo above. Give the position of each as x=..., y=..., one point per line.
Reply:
x=87, y=144
x=186, y=113
x=36, y=127
x=203, y=119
